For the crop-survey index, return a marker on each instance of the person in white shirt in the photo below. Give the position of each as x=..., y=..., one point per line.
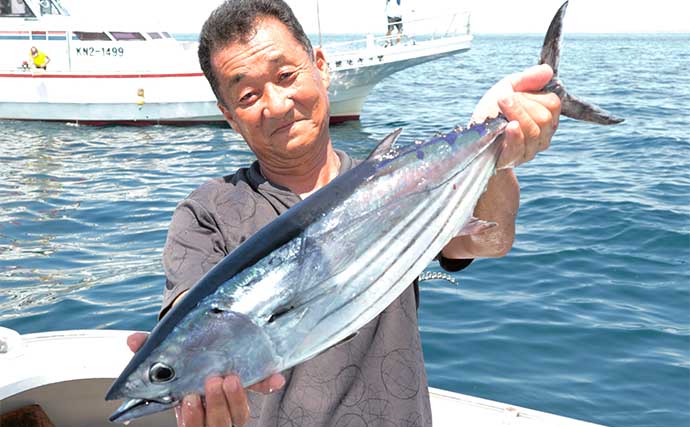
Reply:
x=394, y=14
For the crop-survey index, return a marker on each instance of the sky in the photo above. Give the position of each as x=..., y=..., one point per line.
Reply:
x=365, y=16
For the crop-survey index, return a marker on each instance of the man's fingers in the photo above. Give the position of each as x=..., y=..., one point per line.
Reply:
x=217, y=409
x=514, y=109
x=136, y=340
x=237, y=400
x=226, y=402
x=532, y=79
x=528, y=83
x=191, y=412
x=550, y=101
x=269, y=385
x=544, y=112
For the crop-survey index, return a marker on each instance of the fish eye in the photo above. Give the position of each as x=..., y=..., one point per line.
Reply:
x=161, y=373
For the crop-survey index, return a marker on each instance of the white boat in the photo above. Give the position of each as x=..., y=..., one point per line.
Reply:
x=68, y=373
x=102, y=72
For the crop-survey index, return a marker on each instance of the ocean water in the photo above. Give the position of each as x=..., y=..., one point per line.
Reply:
x=587, y=317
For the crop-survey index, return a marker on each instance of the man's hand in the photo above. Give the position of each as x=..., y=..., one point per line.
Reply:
x=226, y=400
x=533, y=116
x=533, y=121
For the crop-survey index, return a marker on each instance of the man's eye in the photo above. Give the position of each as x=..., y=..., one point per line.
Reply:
x=285, y=76
x=246, y=97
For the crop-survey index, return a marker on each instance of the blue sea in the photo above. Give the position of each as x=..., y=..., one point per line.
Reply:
x=587, y=317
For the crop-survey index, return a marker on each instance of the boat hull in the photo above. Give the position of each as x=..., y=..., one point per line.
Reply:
x=108, y=98
x=185, y=97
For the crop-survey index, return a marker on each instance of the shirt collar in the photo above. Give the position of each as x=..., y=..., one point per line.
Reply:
x=258, y=181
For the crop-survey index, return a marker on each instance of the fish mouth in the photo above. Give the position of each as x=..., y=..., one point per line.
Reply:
x=135, y=408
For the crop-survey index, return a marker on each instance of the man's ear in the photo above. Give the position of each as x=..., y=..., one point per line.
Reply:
x=322, y=66
x=228, y=117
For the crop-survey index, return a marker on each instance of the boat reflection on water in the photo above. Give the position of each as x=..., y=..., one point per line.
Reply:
x=124, y=73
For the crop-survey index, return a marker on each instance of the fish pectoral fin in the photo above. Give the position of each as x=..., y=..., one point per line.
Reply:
x=476, y=226
x=386, y=145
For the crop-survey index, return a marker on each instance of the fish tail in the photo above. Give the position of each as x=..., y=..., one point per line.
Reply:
x=571, y=106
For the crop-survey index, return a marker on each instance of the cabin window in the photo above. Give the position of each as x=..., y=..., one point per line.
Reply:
x=88, y=36
x=166, y=35
x=155, y=36
x=50, y=7
x=14, y=8
x=123, y=36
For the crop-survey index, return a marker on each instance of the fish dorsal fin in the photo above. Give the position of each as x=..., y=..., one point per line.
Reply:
x=386, y=145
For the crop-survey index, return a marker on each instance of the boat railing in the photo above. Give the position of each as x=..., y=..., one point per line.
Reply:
x=414, y=30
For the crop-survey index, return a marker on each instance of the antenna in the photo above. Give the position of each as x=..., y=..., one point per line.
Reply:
x=318, y=22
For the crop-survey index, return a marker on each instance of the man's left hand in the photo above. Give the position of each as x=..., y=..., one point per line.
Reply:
x=533, y=114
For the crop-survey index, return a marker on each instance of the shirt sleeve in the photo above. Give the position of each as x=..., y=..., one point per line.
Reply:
x=193, y=246
x=453, y=265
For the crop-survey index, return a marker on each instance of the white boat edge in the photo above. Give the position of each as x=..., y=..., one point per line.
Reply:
x=68, y=373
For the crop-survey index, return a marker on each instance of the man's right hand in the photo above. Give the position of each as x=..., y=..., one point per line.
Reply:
x=226, y=401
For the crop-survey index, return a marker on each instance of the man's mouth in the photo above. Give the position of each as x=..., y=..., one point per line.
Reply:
x=283, y=127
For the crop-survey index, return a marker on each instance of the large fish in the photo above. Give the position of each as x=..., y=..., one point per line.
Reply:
x=326, y=267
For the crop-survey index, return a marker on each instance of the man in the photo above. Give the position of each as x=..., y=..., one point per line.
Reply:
x=394, y=16
x=39, y=58
x=271, y=86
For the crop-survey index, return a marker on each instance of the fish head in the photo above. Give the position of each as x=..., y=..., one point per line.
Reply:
x=176, y=360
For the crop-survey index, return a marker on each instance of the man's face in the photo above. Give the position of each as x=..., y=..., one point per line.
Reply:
x=275, y=96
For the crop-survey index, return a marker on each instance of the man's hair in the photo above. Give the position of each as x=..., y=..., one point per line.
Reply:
x=236, y=21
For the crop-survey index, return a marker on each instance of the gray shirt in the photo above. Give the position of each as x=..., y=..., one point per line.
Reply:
x=376, y=378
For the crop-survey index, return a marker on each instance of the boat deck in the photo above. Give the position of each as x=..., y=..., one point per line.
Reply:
x=60, y=369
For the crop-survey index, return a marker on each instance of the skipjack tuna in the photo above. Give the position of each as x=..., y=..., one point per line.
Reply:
x=326, y=267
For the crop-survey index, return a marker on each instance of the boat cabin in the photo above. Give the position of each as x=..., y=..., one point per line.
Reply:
x=30, y=8
x=82, y=46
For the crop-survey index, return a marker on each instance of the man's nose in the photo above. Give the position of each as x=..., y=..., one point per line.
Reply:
x=277, y=101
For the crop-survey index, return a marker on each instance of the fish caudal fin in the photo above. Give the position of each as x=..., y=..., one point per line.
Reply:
x=551, y=51
x=579, y=110
x=570, y=105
